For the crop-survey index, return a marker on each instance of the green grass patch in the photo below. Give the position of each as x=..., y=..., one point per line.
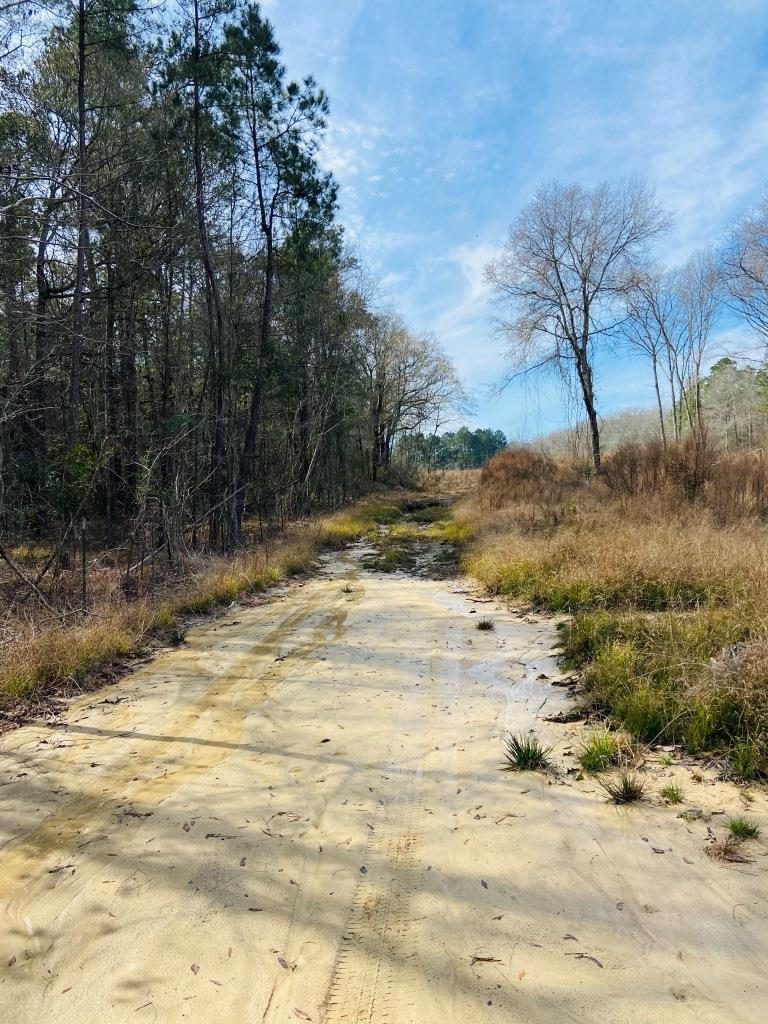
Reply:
x=360, y=523
x=524, y=752
x=599, y=752
x=743, y=829
x=672, y=793
x=642, y=670
x=545, y=585
x=745, y=761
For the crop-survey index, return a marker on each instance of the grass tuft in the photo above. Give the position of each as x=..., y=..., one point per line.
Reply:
x=524, y=752
x=744, y=762
x=742, y=828
x=672, y=793
x=485, y=625
x=626, y=788
x=599, y=752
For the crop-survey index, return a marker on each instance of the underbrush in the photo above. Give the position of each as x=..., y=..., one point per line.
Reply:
x=665, y=574
x=44, y=657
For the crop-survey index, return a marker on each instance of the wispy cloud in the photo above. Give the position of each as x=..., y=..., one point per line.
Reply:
x=441, y=133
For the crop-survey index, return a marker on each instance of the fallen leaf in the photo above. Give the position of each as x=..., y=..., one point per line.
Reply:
x=300, y=1014
x=483, y=883
x=194, y=968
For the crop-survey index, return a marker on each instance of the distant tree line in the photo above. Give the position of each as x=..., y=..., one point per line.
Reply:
x=185, y=339
x=734, y=407
x=460, y=449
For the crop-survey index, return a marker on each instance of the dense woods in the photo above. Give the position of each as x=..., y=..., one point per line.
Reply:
x=186, y=342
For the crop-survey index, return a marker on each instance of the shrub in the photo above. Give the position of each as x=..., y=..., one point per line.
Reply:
x=520, y=472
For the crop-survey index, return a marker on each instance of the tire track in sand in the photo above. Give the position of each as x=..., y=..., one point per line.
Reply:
x=370, y=978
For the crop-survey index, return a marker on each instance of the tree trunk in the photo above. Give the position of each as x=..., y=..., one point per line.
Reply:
x=78, y=297
x=658, y=400
x=213, y=303
x=245, y=464
x=584, y=371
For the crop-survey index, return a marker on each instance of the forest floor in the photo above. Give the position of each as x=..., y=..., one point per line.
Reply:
x=299, y=815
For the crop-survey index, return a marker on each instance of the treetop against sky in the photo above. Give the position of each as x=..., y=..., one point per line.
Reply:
x=446, y=115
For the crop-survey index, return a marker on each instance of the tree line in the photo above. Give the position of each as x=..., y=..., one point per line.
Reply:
x=459, y=449
x=734, y=407
x=185, y=338
x=577, y=276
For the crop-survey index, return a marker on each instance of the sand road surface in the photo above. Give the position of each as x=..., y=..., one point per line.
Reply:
x=298, y=816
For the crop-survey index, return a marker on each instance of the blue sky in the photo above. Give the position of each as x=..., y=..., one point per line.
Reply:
x=447, y=114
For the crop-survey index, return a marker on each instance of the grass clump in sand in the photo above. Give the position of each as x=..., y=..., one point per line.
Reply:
x=485, y=625
x=625, y=788
x=599, y=752
x=728, y=850
x=524, y=752
x=742, y=829
x=672, y=793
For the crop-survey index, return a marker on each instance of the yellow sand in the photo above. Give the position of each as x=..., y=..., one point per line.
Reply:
x=299, y=816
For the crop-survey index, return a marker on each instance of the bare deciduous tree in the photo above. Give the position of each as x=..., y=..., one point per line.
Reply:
x=410, y=382
x=698, y=291
x=744, y=263
x=565, y=271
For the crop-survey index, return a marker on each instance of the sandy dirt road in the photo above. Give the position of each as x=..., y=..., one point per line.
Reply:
x=298, y=816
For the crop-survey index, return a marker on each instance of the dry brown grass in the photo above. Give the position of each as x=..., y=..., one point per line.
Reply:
x=43, y=655
x=663, y=562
